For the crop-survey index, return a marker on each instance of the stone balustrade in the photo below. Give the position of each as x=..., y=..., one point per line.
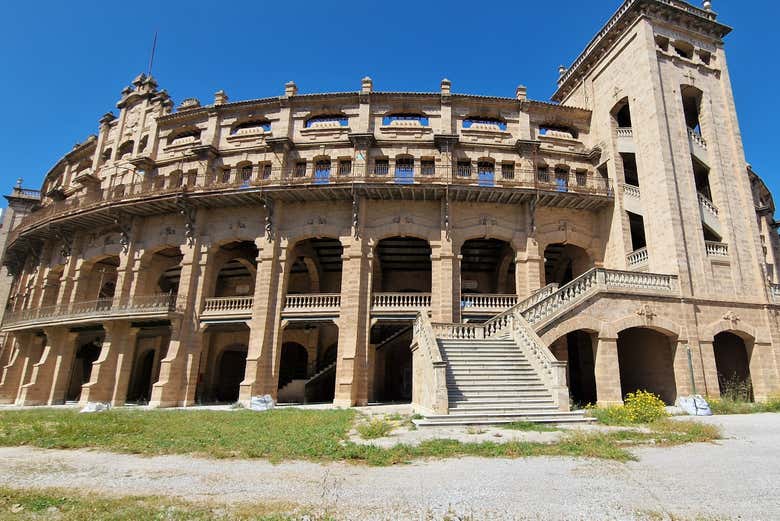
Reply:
x=632, y=191
x=400, y=301
x=707, y=204
x=638, y=258
x=429, y=384
x=774, y=290
x=697, y=139
x=313, y=302
x=92, y=310
x=716, y=249
x=221, y=306
x=487, y=303
x=625, y=132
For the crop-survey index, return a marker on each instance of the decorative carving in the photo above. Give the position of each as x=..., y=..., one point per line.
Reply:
x=66, y=249
x=356, y=216
x=731, y=317
x=188, y=211
x=485, y=220
x=269, y=219
x=406, y=219
x=646, y=311
x=123, y=222
x=313, y=221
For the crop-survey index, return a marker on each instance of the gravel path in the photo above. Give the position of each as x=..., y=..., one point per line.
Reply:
x=736, y=479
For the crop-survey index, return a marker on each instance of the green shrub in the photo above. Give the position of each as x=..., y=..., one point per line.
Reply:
x=374, y=429
x=638, y=407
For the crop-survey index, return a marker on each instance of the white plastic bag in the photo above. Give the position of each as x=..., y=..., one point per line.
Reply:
x=96, y=407
x=261, y=403
x=694, y=405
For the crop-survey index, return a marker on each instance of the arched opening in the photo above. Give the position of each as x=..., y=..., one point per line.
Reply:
x=317, y=267
x=622, y=114
x=51, y=288
x=576, y=349
x=86, y=355
x=565, y=262
x=126, y=149
x=691, y=100
x=403, y=265
x=230, y=373
x=732, y=360
x=163, y=271
x=646, y=359
x=100, y=281
x=236, y=277
x=307, y=363
x=140, y=390
x=487, y=267
x=390, y=362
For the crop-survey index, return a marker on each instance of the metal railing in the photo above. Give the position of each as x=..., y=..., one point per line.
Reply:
x=146, y=185
x=98, y=309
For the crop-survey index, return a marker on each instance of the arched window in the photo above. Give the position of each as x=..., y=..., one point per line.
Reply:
x=186, y=136
x=126, y=149
x=422, y=119
x=334, y=119
x=248, y=127
x=487, y=122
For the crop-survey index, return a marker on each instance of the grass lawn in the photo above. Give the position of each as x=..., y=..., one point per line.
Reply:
x=28, y=505
x=731, y=406
x=296, y=434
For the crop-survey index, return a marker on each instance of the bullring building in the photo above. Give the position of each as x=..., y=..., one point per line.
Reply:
x=483, y=258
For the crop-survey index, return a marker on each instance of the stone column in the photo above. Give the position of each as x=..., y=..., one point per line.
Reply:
x=110, y=375
x=192, y=368
x=351, y=367
x=705, y=370
x=529, y=269
x=762, y=370
x=682, y=370
x=265, y=332
x=49, y=380
x=607, y=372
x=445, y=282
x=184, y=346
x=14, y=371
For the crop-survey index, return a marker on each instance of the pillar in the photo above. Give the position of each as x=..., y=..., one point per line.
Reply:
x=445, y=282
x=110, y=375
x=762, y=370
x=49, y=380
x=265, y=332
x=354, y=323
x=682, y=369
x=176, y=369
x=529, y=269
x=705, y=370
x=607, y=372
x=14, y=371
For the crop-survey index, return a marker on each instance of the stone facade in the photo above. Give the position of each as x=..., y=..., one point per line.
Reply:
x=315, y=246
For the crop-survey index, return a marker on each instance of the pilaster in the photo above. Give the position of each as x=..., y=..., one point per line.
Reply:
x=607, y=372
x=111, y=371
x=15, y=369
x=445, y=282
x=49, y=379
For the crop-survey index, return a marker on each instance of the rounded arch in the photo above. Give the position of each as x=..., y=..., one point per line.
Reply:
x=579, y=322
x=646, y=358
x=733, y=355
x=621, y=113
x=658, y=323
x=740, y=328
x=231, y=367
x=405, y=264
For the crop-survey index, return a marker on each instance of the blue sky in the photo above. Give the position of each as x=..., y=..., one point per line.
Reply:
x=65, y=63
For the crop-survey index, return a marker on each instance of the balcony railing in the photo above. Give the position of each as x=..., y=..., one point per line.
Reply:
x=625, y=132
x=697, y=139
x=147, y=186
x=311, y=303
x=400, y=302
x=774, y=290
x=716, y=249
x=227, y=306
x=487, y=303
x=638, y=258
x=632, y=191
x=107, y=308
x=707, y=204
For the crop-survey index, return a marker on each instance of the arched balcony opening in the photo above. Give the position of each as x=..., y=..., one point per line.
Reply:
x=126, y=149
x=81, y=370
x=390, y=362
x=732, y=360
x=403, y=265
x=576, y=349
x=564, y=263
x=691, y=100
x=51, y=288
x=236, y=276
x=621, y=114
x=162, y=271
x=646, y=359
x=316, y=268
x=487, y=276
x=223, y=363
x=99, y=282
x=307, y=363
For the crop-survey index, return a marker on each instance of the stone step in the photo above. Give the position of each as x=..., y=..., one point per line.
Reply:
x=490, y=370
x=457, y=401
x=518, y=409
x=494, y=378
x=552, y=416
x=484, y=391
x=489, y=364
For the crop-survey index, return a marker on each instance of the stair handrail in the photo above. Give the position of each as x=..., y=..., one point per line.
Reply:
x=567, y=294
x=550, y=369
x=429, y=386
x=500, y=321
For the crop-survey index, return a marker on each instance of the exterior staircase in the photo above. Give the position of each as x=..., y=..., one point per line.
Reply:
x=501, y=371
x=493, y=382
